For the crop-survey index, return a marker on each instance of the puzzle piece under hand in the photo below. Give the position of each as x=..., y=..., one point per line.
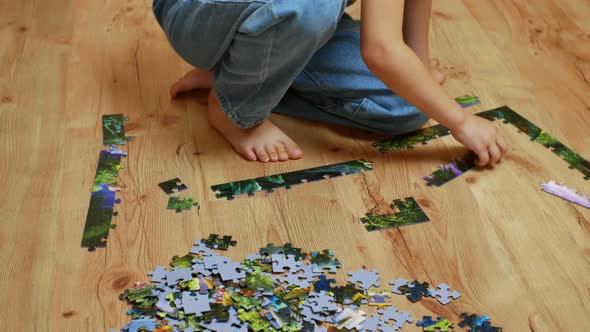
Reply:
x=220, y=243
x=365, y=278
x=445, y=293
x=172, y=186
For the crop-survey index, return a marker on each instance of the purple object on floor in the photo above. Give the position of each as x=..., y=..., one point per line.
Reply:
x=560, y=190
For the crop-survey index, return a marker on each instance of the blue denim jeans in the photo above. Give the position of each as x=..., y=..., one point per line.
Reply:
x=294, y=57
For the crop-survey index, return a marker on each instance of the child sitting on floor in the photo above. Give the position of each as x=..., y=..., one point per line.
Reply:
x=309, y=59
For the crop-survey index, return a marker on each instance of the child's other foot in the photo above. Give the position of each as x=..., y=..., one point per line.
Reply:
x=264, y=142
x=194, y=79
x=435, y=71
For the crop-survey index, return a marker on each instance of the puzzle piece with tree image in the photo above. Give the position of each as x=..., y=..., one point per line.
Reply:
x=113, y=130
x=102, y=200
x=172, y=186
x=216, y=242
x=508, y=116
x=178, y=204
x=451, y=171
x=408, y=213
x=286, y=180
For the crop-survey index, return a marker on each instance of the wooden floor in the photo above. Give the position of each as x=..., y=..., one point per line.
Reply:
x=515, y=253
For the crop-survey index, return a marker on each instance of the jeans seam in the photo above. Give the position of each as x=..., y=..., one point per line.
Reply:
x=264, y=70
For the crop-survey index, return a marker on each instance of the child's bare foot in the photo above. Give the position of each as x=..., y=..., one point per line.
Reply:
x=435, y=71
x=194, y=79
x=264, y=142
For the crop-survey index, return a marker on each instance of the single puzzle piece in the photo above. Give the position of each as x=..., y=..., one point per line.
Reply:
x=137, y=325
x=467, y=101
x=371, y=324
x=380, y=300
x=349, y=294
x=159, y=274
x=409, y=213
x=172, y=186
x=349, y=319
x=286, y=249
x=218, y=311
x=444, y=293
x=321, y=302
x=285, y=180
x=201, y=249
x=366, y=279
x=391, y=314
x=454, y=169
x=113, y=130
x=325, y=261
x=294, y=280
x=487, y=327
x=216, y=242
x=224, y=325
x=440, y=325
x=426, y=321
x=409, y=140
x=415, y=291
x=195, y=304
x=323, y=284
x=231, y=271
x=178, y=274
x=178, y=204
x=280, y=263
x=471, y=322
x=397, y=284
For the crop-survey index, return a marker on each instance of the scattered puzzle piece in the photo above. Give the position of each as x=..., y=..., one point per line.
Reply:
x=179, y=204
x=415, y=291
x=471, y=322
x=220, y=243
x=397, y=284
x=440, y=325
x=324, y=261
x=410, y=213
x=391, y=314
x=366, y=279
x=113, y=129
x=172, y=186
x=444, y=293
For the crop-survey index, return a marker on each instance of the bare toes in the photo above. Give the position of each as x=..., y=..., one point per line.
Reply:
x=248, y=153
x=261, y=154
x=283, y=155
x=293, y=150
x=272, y=152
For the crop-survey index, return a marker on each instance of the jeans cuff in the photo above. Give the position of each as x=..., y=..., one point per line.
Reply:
x=233, y=113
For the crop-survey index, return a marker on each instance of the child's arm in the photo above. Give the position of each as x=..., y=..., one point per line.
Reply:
x=387, y=55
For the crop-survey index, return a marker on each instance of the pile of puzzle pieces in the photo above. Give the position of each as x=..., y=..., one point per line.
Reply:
x=280, y=288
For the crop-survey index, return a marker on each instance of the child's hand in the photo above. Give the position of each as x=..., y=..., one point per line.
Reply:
x=482, y=137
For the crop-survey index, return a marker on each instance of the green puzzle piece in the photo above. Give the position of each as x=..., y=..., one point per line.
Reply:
x=410, y=213
x=179, y=204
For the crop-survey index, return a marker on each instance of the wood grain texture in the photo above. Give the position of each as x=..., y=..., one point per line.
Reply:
x=515, y=253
